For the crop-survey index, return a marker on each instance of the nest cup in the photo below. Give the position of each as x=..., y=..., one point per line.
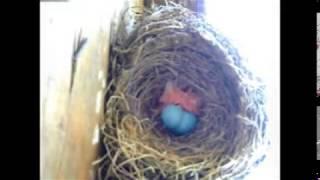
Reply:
x=173, y=44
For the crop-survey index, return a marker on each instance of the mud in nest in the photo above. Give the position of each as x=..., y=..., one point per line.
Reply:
x=173, y=44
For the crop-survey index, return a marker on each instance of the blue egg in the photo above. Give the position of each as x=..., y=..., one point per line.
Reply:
x=171, y=116
x=178, y=121
x=187, y=124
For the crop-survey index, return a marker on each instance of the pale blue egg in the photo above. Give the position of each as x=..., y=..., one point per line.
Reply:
x=171, y=116
x=178, y=121
x=187, y=124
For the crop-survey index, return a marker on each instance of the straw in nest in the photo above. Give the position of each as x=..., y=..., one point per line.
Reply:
x=173, y=44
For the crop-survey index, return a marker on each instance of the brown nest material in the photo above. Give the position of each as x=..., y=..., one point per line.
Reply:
x=174, y=44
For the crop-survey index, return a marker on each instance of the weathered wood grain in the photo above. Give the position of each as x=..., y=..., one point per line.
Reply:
x=68, y=121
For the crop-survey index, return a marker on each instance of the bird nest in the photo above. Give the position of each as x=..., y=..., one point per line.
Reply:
x=173, y=44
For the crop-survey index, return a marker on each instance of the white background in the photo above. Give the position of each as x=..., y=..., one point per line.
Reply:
x=254, y=27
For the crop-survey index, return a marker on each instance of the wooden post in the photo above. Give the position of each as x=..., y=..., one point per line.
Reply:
x=68, y=121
